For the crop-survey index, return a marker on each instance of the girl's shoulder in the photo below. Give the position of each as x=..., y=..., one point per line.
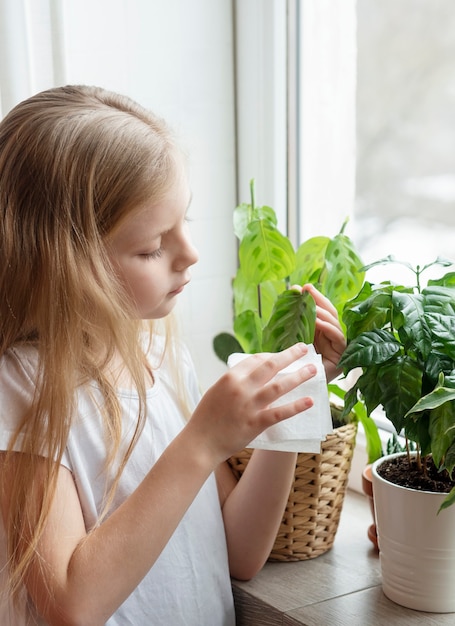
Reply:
x=19, y=365
x=18, y=371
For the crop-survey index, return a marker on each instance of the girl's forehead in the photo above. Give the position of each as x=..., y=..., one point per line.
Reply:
x=156, y=216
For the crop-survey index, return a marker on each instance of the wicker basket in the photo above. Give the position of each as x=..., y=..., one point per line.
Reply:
x=312, y=514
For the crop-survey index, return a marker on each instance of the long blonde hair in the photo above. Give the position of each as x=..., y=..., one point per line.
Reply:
x=74, y=161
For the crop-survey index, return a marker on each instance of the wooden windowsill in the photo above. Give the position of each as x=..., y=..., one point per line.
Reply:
x=339, y=588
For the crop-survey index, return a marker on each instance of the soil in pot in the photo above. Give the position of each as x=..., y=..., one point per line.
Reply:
x=406, y=473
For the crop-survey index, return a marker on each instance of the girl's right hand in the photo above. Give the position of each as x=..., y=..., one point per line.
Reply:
x=237, y=407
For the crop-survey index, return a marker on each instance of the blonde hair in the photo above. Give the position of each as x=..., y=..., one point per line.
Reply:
x=74, y=161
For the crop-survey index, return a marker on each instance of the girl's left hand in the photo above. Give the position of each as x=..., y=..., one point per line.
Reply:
x=329, y=339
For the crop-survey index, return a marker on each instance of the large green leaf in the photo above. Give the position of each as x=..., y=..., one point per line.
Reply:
x=245, y=213
x=370, y=348
x=224, y=344
x=433, y=366
x=440, y=318
x=448, y=501
x=370, y=314
x=265, y=254
x=440, y=300
x=369, y=389
x=248, y=330
x=442, y=429
x=247, y=295
x=436, y=398
x=293, y=320
x=409, y=319
x=310, y=260
x=448, y=280
x=342, y=277
x=400, y=382
x=417, y=429
x=439, y=406
x=449, y=459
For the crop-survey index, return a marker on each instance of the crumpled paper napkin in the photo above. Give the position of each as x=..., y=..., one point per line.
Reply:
x=305, y=431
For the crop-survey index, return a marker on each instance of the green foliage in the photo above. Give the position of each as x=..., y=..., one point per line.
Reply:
x=373, y=440
x=269, y=315
x=402, y=339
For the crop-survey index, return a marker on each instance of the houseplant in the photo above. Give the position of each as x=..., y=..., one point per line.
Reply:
x=270, y=315
x=400, y=337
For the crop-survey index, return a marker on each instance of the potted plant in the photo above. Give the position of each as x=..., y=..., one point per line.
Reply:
x=270, y=315
x=401, y=340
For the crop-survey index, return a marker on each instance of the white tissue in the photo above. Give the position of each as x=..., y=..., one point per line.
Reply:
x=305, y=431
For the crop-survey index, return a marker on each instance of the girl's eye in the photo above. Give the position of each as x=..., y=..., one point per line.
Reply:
x=156, y=254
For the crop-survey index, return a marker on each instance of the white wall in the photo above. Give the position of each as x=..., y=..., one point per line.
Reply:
x=175, y=57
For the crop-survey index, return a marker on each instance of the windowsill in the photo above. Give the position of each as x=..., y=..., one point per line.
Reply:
x=342, y=586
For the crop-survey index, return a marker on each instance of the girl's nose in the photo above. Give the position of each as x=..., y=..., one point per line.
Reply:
x=187, y=254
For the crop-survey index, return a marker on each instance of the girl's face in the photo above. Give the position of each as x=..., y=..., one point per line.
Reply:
x=152, y=252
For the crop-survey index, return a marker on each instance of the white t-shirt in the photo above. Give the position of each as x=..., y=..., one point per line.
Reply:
x=189, y=584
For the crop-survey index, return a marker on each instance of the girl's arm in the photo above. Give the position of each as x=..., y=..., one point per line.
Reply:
x=253, y=507
x=79, y=578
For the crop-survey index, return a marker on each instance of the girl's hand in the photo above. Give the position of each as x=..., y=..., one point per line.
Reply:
x=329, y=339
x=237, y=407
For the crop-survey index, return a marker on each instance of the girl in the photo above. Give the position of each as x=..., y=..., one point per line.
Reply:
x=117, y=504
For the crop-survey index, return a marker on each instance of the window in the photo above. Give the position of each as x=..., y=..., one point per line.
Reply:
x=405, y=188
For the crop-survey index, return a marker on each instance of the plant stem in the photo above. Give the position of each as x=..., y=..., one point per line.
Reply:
x=252, y=204
x=259, y=301
x=417, y=273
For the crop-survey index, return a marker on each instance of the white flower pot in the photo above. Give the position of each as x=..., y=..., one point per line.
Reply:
x=417, y=546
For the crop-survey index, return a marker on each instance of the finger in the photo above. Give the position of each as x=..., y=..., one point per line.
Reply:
x=275, y=414
x=284, y=383
x=320, y=299
x=261, y=368
x=331, y=333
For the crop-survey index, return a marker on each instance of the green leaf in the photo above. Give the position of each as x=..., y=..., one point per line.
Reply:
x=409, y=319
x=246, y=295
x=265, y=254
x=448, y=501
x=435, y=399
x=225, y=344
x=449, y=459
x=448, y=280
x=369, y=389
x=293, y=320
x=441, y=429
x=433, y=366
x=342, y=277
x=245, y=213
x=372, y=313
x=248, y=330
x=310, y=260
x=417, y=430
x=370, y=348
x=440, y=317
x=400, y=382
x=373, y=440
